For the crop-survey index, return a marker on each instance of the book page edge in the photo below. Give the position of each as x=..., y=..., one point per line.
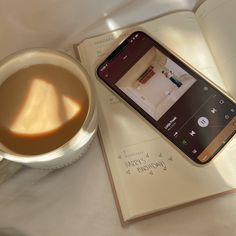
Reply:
x=181, y=206
x=121, y=217
x=198, y=4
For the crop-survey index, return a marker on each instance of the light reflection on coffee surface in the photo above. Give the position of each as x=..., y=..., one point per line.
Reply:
x=38, y=115
x=41, y=108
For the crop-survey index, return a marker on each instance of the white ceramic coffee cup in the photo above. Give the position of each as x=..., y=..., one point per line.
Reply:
x=76, y=146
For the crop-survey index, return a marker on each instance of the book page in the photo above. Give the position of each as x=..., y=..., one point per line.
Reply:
x=217, y=19
x=148, y=174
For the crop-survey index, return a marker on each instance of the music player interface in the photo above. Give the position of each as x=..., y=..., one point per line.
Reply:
x=188, y=111
x=196, y=124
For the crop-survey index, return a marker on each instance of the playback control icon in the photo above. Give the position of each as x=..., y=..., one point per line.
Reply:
x=203, y=122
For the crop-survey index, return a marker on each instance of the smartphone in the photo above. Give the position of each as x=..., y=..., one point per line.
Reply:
x=181, y=104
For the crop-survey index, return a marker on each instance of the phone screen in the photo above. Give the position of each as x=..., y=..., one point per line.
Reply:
x=177, y=101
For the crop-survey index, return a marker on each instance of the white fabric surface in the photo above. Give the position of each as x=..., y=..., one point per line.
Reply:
x=78, y=200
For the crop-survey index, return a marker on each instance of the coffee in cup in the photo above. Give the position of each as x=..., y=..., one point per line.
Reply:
x=46, y=103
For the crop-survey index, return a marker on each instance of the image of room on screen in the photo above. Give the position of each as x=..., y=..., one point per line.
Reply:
x=155, y=83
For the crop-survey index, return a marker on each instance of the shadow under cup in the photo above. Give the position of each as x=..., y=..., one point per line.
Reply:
x=71, y=94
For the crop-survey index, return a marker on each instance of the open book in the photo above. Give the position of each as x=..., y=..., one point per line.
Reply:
x=147, y=174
